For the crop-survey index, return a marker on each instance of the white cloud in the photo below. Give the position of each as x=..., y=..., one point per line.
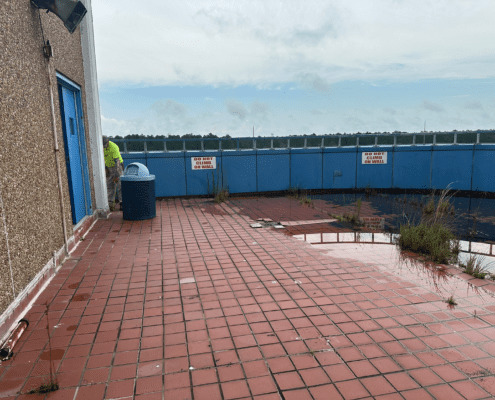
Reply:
x=430, y=106
x=313, y=43
x=236, y=108
x=473, y=105
x=267, y=43
x=171, y=117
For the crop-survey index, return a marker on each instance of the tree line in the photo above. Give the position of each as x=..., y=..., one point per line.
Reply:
x=263, y=142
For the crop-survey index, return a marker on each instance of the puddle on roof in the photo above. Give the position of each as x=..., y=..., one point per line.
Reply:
x=10, y=388
x=474, y=217
x=73, y=285
x=380, y=251
x=152, y=368
x=210, y=207
x=71, y=328
x=56, y=354
x=81, y=297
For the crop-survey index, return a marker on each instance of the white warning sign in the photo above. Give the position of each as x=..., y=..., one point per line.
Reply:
x=375, y=157
x=204, y=163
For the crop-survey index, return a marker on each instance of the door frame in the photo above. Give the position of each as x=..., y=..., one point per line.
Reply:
x=74, y=87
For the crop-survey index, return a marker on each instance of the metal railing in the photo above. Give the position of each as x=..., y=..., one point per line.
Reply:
x=273, y=143
x=380, y=237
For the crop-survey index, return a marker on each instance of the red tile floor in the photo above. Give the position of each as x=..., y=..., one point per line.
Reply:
x=196, y=304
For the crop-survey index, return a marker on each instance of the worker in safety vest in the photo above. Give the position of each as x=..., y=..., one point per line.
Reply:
x=113, y=171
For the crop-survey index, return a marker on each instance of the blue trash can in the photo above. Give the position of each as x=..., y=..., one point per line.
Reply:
x=138, y=193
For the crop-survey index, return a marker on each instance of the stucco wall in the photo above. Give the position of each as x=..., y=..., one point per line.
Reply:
x=28, y=175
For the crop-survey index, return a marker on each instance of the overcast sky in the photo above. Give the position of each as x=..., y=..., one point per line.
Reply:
x=294, y=67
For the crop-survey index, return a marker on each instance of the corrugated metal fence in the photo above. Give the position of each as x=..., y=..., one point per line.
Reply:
x=415, y=165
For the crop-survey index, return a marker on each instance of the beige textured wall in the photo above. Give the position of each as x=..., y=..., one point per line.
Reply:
x=28, y=176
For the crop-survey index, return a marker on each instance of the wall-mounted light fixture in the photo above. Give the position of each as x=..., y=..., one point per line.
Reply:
x=71, y=12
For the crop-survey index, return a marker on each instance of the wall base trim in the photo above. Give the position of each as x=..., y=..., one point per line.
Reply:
x=25, y=300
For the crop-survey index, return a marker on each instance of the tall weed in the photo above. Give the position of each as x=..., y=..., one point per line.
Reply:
x=433, y=235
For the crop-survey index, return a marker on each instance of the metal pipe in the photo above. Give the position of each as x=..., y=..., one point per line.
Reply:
x=56, y=149
x=8, y=247
x=7, y=350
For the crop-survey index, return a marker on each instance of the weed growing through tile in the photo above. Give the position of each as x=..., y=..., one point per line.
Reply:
x=473, y=231
x=432, y=236
x=52, y=385
x=300, y=195
x=353, y=218
x=45, y=388
x=219, y=192
x=474, y=266
x=293, y=192
x=221, y=196
x=451, y=301
x=305, y=200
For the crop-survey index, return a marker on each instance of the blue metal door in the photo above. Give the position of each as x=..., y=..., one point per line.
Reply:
x=74, y=154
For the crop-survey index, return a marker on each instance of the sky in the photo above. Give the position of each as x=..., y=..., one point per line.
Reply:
x=294, y=67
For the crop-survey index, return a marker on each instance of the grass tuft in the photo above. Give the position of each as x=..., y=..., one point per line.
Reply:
x=451, y=301
x=305, y=200
x=52, y=385
x=432, y=236
x=45, y=388
x=474, y=266
x=221, y=196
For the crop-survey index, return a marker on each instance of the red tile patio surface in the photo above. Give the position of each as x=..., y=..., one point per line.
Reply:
x=196, y=304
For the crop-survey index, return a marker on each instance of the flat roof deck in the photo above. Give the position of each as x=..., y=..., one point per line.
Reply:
x=197, y=304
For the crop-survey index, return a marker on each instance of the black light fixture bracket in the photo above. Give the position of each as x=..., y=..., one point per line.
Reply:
x=71, y=12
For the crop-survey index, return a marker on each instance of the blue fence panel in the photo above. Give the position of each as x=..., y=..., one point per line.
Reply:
x=452, y=164
x=408, y=167
x=202, y=182
x=129, y=158
x=170, y=173
x=306, y=168
x=412, y=167
x=376, y=175
x=239, y=168
x=273, y=170
x=484, y=168
x=339, y=168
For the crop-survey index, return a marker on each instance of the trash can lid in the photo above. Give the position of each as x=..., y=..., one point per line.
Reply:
x=137, y=172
